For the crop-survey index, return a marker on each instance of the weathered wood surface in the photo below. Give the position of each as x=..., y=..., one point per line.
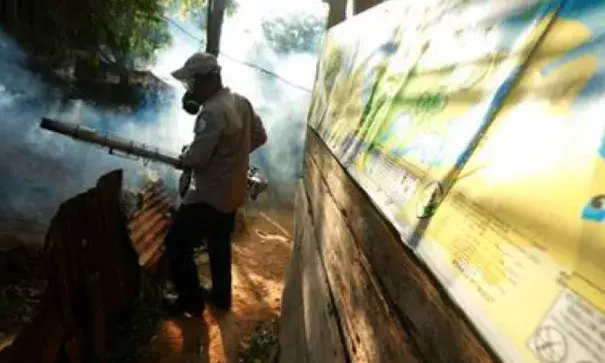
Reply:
x=337, y=13
x=363, y=5
x=384, y=295
x=371, y=329
x=322, y=333
x=293, y=346
x=215, y=13
x=309, y=329
x=93, y=258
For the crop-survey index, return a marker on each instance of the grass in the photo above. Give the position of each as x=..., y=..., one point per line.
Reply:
x=258, y=346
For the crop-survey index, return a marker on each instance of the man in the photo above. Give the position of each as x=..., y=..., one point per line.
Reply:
x=226, y=130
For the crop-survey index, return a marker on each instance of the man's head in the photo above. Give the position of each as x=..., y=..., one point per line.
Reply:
x=201, y=75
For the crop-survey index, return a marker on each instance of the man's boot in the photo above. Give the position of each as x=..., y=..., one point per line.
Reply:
x=178, y=306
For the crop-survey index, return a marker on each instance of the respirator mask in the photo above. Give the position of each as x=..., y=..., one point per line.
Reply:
x=189, y=103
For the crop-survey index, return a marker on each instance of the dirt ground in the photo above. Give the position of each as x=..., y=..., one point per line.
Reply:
x=261, y=253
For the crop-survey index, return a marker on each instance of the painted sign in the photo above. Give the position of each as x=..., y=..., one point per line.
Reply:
x=477, y=128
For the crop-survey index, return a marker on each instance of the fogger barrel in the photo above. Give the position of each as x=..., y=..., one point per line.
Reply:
x=114, y=143
x=256, y=183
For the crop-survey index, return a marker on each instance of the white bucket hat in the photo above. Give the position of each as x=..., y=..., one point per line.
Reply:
x=199, y=64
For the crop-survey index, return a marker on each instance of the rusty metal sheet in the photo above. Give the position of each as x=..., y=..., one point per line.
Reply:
x=149, y=225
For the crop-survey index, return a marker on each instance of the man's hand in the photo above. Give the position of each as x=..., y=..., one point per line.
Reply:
x=258, y=135
x=182, y=155
x=183, y=150
x=184, y=181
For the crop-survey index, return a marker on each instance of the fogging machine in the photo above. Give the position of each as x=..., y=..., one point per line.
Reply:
x=129, y=148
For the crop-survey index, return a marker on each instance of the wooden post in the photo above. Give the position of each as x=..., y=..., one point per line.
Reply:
x=338, y=12
x=363, y=5
x=216, y=12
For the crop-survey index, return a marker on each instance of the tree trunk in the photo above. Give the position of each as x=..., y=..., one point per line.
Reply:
x=216, y=12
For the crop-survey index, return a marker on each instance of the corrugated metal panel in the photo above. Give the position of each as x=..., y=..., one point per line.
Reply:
x=149, y=225
x=92, y=269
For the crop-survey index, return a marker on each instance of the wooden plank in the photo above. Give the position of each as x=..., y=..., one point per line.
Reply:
x=73, y=351
x=324, y=342
x=439, y=329
x=214, y=15
x=363, y=5
x=291, y=323
x=70, y=237
x=120, y=273
x=96, y=255
x=337, y=13
x=98, y=328
x=372, y=331
x=63, y=282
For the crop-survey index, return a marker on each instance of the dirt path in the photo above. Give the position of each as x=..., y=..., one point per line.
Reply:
x=260, y=259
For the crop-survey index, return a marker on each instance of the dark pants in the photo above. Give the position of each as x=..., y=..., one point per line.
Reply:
x=192, y=223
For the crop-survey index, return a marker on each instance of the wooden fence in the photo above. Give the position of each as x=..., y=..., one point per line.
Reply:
x=353, y=292
x=94, y=259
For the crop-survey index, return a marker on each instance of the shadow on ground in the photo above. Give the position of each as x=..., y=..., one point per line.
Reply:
x=260, y=259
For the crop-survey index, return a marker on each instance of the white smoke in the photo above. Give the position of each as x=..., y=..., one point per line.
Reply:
x=281, y=105
x=40, y=169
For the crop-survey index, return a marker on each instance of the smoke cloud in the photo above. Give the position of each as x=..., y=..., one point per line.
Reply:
x=40, y=169
x=282, y=107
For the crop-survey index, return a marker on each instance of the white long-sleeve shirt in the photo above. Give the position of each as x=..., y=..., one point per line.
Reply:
x=226, y=131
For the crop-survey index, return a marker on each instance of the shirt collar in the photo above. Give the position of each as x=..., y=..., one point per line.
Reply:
x=217, y=94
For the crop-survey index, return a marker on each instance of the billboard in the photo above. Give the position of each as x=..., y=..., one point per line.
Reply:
x=477, y=128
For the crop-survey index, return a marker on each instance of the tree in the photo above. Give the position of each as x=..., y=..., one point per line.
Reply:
x=127, y=32
x=134, y=31
x=293, y=32
x=195, y=10
x=124, y=33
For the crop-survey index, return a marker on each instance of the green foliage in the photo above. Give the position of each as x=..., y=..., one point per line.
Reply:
x=130, y=31
x=426, y=103
x=293, y=32
x=135, y=30
x=334, y=63
x=193, y=9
